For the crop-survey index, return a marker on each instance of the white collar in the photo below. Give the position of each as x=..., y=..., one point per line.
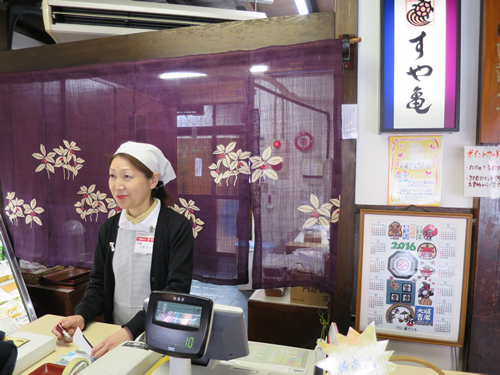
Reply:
x=149, y=221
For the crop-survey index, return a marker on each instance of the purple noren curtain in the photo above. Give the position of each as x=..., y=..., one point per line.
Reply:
x=254, y=138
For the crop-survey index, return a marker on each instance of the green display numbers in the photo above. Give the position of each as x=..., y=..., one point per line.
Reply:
x=404, y=246
x=189, y=342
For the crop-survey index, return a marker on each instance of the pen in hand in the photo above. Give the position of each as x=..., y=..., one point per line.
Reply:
x=63, y=332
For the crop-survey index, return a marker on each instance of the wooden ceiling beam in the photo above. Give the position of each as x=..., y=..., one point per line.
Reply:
x=195, y=40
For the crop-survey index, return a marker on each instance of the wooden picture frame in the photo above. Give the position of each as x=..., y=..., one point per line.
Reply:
x=413, y=275
x=420, y=66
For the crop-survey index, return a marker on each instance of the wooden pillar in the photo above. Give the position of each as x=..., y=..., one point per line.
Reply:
x=489, y=77
x=3, y=27
x=346, y=22
x=484, y=341
x=484, y=311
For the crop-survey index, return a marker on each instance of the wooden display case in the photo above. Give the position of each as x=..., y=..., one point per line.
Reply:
x=55, y=300
x=275, y=320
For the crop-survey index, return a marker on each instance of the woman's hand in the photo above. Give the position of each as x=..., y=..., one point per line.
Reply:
x=70, y=324
x=111, y=342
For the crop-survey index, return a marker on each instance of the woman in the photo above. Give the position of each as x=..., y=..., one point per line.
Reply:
x=147, y=247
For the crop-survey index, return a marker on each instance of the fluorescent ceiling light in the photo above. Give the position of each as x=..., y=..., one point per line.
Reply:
x=302, y=7
x=175, y=75
x=259, y=68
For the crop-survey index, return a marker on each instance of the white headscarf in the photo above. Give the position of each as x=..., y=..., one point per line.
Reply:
x=151, y=156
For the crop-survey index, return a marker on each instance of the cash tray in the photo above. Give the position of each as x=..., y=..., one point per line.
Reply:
x=68, y=277
x=49, y=369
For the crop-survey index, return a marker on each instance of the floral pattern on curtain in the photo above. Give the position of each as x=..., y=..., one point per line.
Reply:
x=254, y=138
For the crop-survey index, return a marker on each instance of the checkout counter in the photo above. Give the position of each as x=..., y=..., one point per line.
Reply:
x=98, y=331
x=260, y=358
x=185, y=328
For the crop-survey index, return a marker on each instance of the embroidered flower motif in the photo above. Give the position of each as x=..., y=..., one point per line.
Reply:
x=223, y=153
x=66, y=158
x=187, y=210
x=197, y=227
x=95, y=201
x=262, y=165
x=98, y=205
x=31, y=211
x=336, y=213
x=321, y=214
x=112, y=207
x=235, y=162
x=13, y=209
x=238, y=163
x=217, y=174
x=46, y=159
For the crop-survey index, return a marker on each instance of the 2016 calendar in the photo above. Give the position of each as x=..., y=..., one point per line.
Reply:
x=413, y=275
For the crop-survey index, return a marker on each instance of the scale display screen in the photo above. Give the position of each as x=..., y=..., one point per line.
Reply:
x=177, y=313
x=178, y=324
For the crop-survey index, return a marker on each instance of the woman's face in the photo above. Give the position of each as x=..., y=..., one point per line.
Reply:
x=130, y=187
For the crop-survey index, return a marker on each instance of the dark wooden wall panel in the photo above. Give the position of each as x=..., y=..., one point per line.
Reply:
x=346, y=22
x=483, y=330
x=3, y=27
x=489, y=106
x=485, y=310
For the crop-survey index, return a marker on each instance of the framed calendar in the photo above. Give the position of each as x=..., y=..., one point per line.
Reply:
x=413, y=275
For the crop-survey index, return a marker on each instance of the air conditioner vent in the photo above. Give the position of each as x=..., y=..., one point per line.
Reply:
x=137, y=20
x=73, y=20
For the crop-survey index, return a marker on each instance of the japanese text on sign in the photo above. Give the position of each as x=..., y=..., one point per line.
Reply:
x=482, y=171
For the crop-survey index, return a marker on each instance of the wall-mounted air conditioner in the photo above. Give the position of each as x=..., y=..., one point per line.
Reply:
x=72, y=20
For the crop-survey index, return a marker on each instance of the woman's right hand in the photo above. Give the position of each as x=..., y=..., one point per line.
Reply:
x=70, y=324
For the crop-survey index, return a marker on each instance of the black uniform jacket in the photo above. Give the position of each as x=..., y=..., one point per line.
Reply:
x=171, y=267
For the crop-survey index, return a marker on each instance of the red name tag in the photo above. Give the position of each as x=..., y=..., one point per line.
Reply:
x=146, y=239
x=144, y=243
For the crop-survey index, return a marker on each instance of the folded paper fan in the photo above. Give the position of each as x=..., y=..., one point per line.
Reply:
x=357, y=354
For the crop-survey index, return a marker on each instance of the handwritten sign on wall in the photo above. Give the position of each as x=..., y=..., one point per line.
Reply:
x=482, y=171
x=415, y=170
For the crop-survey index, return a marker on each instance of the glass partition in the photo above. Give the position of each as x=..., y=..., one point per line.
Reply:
x=16, y=308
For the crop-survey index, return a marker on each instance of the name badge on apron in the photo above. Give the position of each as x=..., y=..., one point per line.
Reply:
x=144, y=243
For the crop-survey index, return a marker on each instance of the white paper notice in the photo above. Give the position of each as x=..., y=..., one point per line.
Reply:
x=482, y=171
x=349, y=121
x=197, y=167
x=81, y=341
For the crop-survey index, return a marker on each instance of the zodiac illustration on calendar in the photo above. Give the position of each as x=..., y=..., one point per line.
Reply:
x=400, y=291
x=395, y=230
x=427, y=251
x=424, y=293
x=429, y=232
